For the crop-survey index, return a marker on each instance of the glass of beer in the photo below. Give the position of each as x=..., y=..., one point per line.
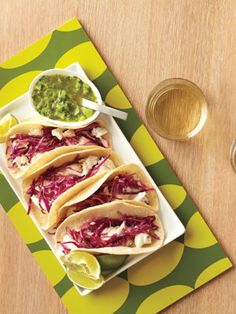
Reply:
x=176, y=109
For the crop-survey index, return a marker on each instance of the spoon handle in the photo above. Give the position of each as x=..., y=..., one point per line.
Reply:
x=104, y=109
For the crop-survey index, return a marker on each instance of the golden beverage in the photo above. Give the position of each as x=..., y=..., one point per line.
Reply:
x=176, y=109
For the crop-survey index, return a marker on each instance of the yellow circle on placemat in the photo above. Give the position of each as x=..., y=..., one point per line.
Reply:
x=106, y=300
x=27, y=55
x=117, y=99
x=212, y=271
x=163, y=298
x=50, y=266
x=88, y=58
x=70, y=26
x=23, y=224
x=198, y=235
x=160, y=263
x=142, y=143
x=175, y=194
x=16, y=87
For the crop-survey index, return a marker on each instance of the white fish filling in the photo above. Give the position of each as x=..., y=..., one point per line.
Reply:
x=141, y=239
x=82, y=141
x=98, y=132
x=110, y=231
x=85, y=165
x=93, y=161
x=73, y=169
x=69, y=133
x=21, y=161
x=57, y=133
x=139, y=197
x=36, y=131
x=88, y=164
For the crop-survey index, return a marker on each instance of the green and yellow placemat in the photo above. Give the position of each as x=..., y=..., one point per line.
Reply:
x=165, y=276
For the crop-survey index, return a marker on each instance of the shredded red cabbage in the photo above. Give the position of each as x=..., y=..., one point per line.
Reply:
x=91, y=234
x=51, y=184
x=124, y=184
x=30, y=145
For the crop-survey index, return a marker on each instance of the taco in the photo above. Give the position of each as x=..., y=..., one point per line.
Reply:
x=52, y=185
x=114, y=228
x=127, y=182
x=31, y=144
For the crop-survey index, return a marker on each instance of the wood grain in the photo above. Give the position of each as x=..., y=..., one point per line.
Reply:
x=144, y=42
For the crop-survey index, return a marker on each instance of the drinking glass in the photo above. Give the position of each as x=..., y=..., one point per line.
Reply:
x=176, y=109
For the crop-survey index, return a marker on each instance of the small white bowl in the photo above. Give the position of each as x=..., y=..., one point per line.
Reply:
x=59, y=122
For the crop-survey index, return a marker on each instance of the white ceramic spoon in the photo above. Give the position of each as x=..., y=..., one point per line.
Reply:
x=104, y=109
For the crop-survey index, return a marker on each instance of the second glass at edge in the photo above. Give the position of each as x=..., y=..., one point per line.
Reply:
x=176, y=109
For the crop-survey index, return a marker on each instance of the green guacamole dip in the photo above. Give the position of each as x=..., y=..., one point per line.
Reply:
x=58, y=97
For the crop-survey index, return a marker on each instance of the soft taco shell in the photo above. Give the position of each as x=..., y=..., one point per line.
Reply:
x=112, y=210
x=153, y=200
x=46, y=221
x=24, y=127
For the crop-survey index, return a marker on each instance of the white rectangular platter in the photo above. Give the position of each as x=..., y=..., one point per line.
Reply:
x=171, y=223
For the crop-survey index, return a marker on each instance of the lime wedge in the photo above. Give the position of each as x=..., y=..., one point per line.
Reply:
x=82, y=280
x=83, y=269
x=7, y=122
x=109, y=262
x=82, y=262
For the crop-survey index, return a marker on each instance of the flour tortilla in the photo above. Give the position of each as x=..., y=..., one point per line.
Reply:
x=23, y=128
x=152, y=196
x=112, y=210
x=48, y=220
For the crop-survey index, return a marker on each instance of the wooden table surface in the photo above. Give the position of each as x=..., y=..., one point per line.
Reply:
x=144, y=42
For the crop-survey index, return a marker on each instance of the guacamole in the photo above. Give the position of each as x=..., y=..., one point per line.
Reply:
x=58, y=97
